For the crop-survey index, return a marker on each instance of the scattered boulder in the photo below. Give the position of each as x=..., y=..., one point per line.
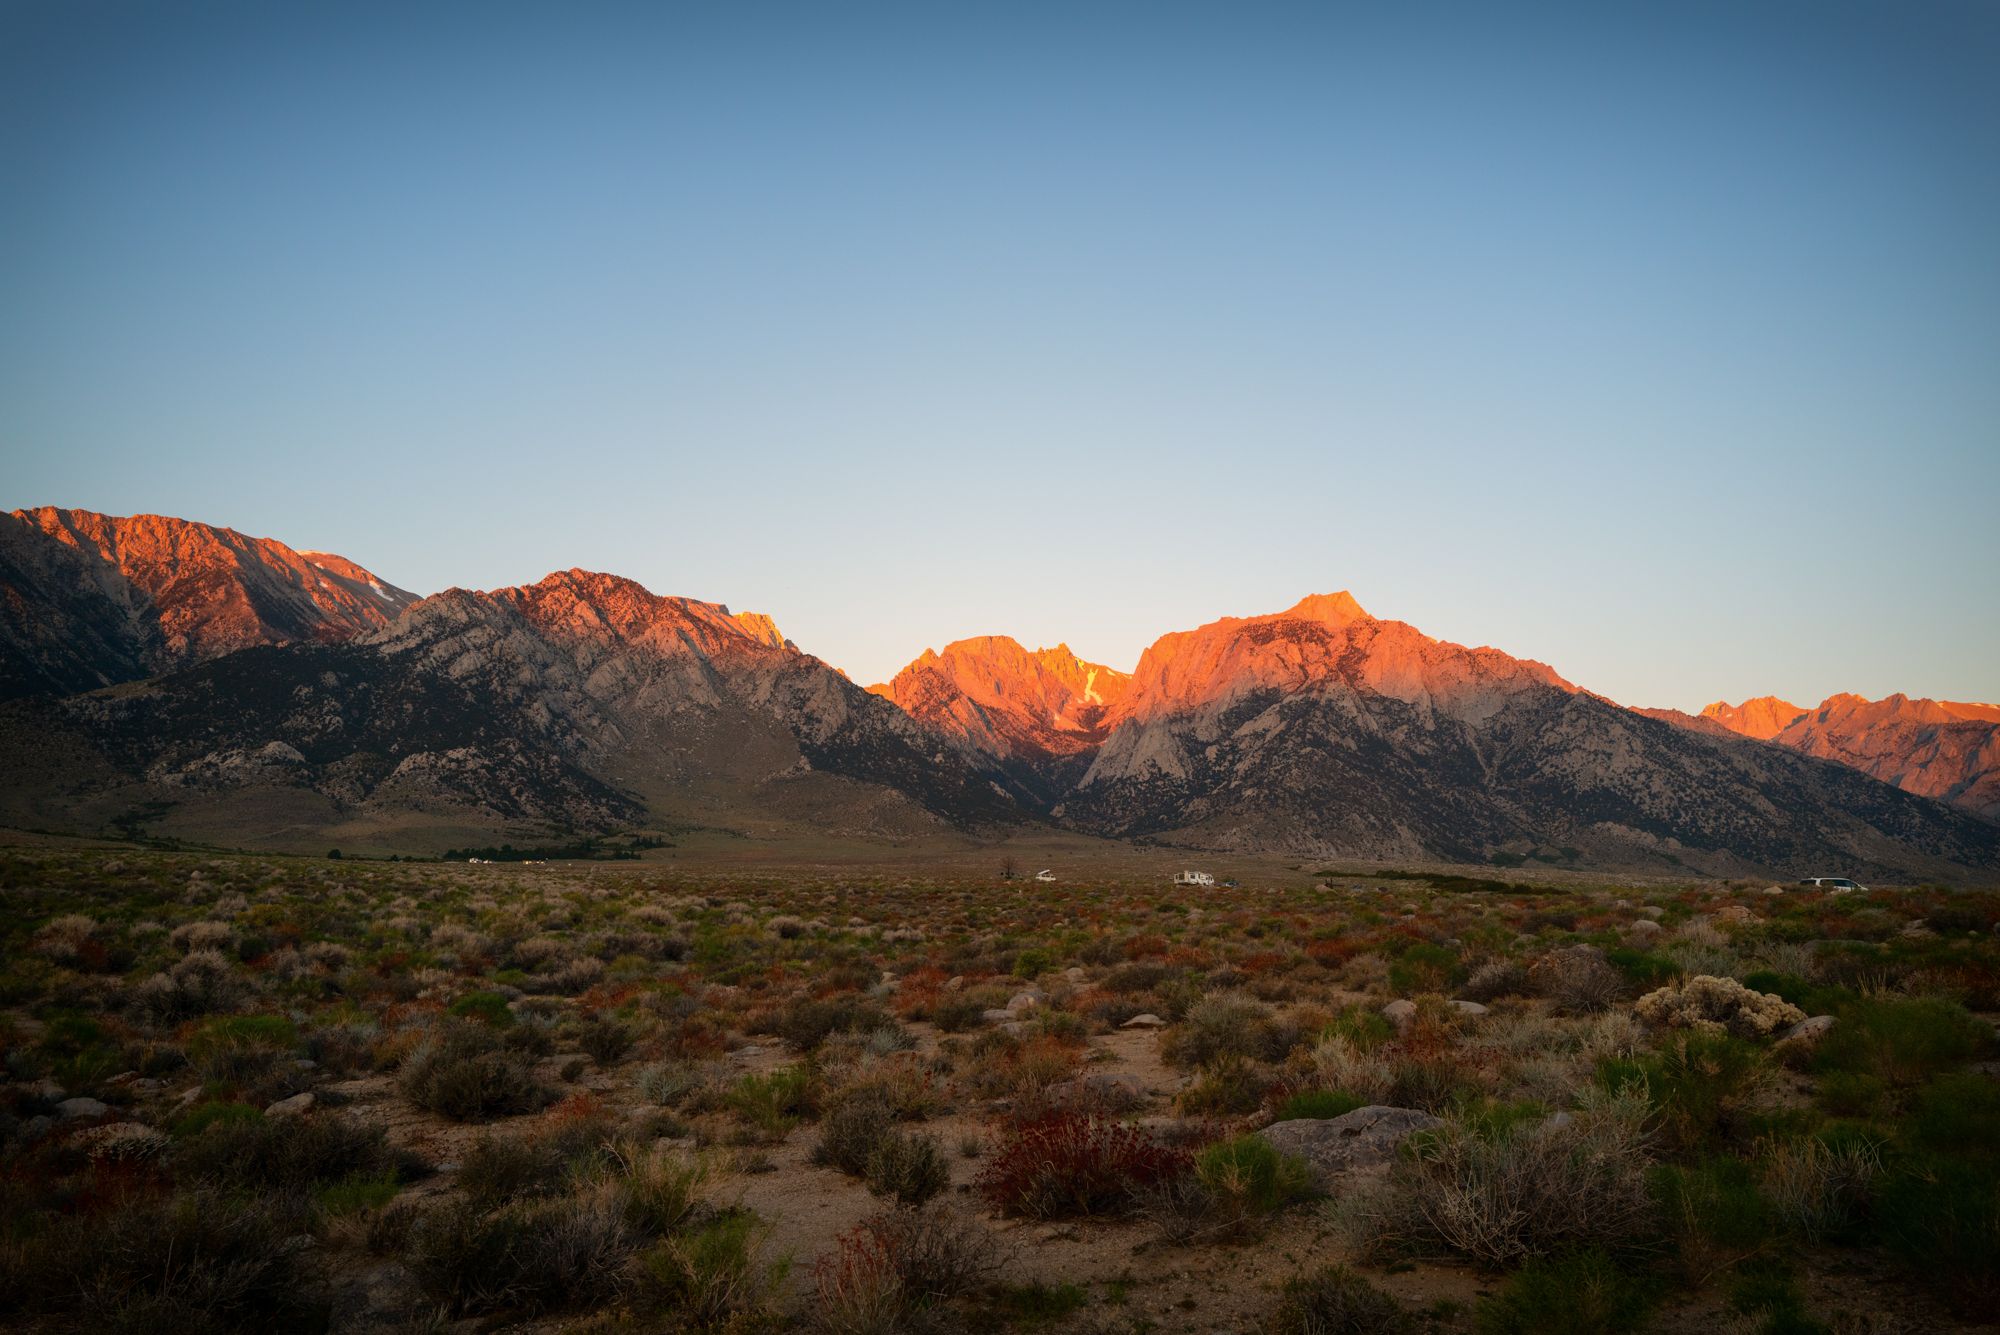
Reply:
x=996, y=1016
x=1025, y=1001
x=1146, y=1021
x=1809, y=1030
x=1644, y=927
x=1467, y=1007
x=1653, y=911
x=1101, y=1089
x=81, y=1109
x=1400, y=1012
x=291, y=1107
x=1734, y=914
x=1356, y=1142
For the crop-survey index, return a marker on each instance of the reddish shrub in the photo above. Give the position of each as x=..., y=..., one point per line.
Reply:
x=1071, y=1163
x=1333, y=951
x=582, y=1106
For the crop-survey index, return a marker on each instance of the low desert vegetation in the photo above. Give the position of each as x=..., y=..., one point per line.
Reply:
x=256, y=1093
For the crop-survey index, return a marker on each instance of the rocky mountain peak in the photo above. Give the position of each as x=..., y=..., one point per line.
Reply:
x=1763, y=717
x=125, y=596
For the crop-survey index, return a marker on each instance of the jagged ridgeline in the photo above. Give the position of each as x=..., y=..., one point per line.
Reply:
x=177, y=680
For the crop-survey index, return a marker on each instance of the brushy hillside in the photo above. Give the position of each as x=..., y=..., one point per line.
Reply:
x=248, y=1093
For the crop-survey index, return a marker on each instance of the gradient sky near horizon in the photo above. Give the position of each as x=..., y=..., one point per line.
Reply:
x=1659, y=343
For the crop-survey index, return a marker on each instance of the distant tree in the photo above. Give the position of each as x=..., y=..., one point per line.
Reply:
x=335, y=854
x=1009, y=868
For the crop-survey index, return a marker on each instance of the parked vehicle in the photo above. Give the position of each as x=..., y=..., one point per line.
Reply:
x=1840, y=885
x=1045, y=875
x=1198, y=879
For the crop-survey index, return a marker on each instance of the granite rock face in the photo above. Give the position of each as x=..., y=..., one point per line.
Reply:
x=1357, y=1142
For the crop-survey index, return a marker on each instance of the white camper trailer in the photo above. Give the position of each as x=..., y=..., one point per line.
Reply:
x=1199, y=880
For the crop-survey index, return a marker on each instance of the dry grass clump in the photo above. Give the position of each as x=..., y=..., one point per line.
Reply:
x=1817, y=1188
x=1578, y=980
x=200, y=983
x=197, y=1261
x=1711, y=1005
x=1498, y=1194
x=1336, y=1301
x=894, y=1267
x=462, y=1071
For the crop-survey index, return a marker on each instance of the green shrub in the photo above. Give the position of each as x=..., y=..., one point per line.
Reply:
x=1771, y=1291
x=1853, y=1094
x=660, y=1188
x=1247, y=1173
x=605, y=1039
x=907, y=1166
x=1901, y=1040
x=528, y=1257
x=1642, y=968
x=357, y=1193
x=1227, y=1085
x=955, y=1012
x=807, y=1024
x=287, y=1154
x=1790, y=986
x=711, y=1277
x=1213, y=1027
x=1699, y=1084
x=1037, y=1304
x=1941, y=1213
x=1317, y=1104
x=1034, y=963
x=852, y=1126
x=773, y=1103
x=1336, y=1301
x=461, y=1072
x=1958, y=1114
x=198, y=1261
x=1424, y=967
x=488, y=1007
x=497, y=1170
x=1585, y=1293
x=1363, y=1026
x=210, y=1112
x=1715, y=1215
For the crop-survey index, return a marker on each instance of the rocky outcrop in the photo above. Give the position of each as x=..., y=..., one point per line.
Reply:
x=1033, y=717
x=1363, y=1141
x=581, y=703
x=180, y=663
x=1946, y=749
x=1328, y=732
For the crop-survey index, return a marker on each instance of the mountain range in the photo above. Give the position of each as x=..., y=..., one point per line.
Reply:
x=173, y=678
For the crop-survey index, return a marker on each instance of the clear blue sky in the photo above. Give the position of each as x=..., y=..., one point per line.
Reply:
x=1660, y=342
